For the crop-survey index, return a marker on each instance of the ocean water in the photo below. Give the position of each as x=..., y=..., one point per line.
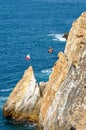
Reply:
x=30, y=27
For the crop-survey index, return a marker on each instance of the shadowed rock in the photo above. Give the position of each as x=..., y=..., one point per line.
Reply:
x=65, y=35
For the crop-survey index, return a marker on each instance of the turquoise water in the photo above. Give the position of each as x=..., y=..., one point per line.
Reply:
x=30, y=27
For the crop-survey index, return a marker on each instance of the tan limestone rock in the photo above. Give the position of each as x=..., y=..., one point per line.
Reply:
x=64, y=102
x=56, y=78
x=82, y=122
x=59, y=104
x=76, y=40
x=22, y=101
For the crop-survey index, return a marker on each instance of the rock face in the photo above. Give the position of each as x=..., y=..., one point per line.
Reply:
x=60, y=103
x=22, y=103
x=64, y=102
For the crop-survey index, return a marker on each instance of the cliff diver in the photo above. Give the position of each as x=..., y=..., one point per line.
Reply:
x=27, y=57
x=50, y=50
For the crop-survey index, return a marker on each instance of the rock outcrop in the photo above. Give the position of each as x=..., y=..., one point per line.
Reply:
x=65, y=35
x=23, y=103
x=60, y=103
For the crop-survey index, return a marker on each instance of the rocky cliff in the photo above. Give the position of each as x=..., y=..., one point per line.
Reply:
x=60, y=103
x=64, y=102
x=22, y=103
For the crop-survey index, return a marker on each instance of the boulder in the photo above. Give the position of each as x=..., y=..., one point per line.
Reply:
x=65, y=35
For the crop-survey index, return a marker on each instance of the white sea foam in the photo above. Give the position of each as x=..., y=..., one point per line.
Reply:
x=57, y=37
x=60, y=37
x=46, y=71
x=31, y=125
x=6, y=90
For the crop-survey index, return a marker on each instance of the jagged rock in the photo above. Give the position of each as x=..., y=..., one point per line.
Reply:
x=64, y=102
x=60, y=103
x=56, y=78
x=65, y=35
x=23, y=103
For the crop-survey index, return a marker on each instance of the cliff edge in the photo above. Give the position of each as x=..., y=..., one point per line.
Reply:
x=60, y=103
x=22, y=104
x=64, y=102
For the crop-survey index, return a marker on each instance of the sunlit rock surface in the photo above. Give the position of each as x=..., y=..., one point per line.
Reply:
x=60, y=103
x=22, y=103
x=64, y=102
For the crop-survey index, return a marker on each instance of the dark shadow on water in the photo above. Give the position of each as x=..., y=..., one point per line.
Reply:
x=13, y=125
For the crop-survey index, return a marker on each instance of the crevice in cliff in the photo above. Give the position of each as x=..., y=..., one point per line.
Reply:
x=72, y=128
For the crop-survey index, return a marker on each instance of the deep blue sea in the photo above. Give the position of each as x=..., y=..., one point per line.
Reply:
x=31, y=27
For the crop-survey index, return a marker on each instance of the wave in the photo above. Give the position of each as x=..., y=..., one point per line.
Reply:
x=57, y=37
x=31, y=125
x=6, y=90
x=3, y=98
x=46, y=71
